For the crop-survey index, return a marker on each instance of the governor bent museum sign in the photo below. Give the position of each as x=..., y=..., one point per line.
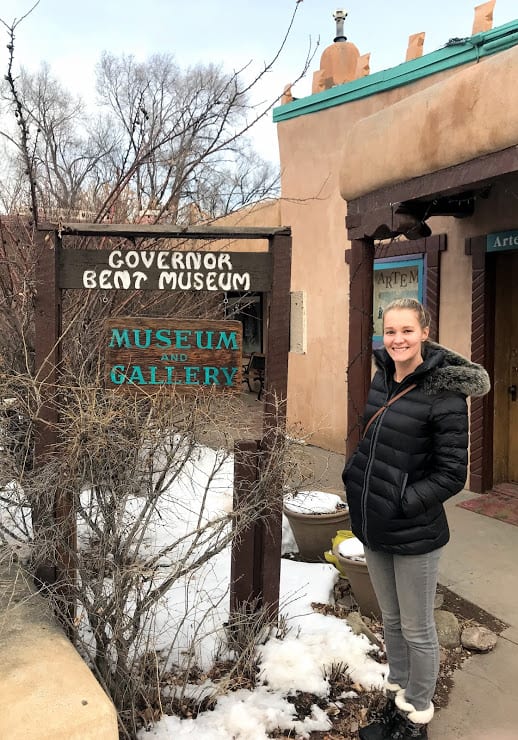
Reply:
x=133, y=269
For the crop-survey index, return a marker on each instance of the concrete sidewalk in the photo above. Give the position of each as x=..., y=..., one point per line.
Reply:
x=480, y=564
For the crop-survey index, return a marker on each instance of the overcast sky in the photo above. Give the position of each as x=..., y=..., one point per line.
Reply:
x=71, y=35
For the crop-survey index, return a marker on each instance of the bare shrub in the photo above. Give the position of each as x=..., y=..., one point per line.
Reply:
x=123, y=469
x=138, y=481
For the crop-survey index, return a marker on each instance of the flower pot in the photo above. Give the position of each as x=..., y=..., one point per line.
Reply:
x=313, y=532
x=357, y=574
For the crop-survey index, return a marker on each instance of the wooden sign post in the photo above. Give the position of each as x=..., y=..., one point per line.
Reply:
x=147, y=355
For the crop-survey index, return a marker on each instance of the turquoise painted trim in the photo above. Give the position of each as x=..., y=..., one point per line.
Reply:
x=466, y=51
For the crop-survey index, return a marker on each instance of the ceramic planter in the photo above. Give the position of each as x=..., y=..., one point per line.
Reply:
x=313, y=533
x=357, y=574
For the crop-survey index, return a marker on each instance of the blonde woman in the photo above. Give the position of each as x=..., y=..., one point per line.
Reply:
x=412, y=458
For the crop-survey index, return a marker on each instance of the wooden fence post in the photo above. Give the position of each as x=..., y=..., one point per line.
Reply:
x=256, y=556
x=274, y=421
x=244, y=561
x=57, y=518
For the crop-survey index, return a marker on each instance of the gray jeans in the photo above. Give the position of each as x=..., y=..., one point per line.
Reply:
x=405, y=586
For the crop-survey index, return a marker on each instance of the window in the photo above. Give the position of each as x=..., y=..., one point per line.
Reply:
x=247, y=308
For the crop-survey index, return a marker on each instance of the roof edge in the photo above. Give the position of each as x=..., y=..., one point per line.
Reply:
x=463, y=51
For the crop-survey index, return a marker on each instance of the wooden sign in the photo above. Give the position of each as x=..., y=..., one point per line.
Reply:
x=137, y=269
x=151, y=354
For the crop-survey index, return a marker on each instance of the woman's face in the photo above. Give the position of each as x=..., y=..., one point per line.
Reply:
x=403, y=337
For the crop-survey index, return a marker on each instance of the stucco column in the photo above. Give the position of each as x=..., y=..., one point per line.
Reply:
x=361, y=266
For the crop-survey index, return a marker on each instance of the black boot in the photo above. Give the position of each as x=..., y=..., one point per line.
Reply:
x=405, y=729
x=383, y=723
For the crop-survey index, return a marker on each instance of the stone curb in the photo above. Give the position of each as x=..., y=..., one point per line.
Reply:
x=48, y=692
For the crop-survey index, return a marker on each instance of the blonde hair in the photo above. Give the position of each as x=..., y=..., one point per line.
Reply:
x=423, y=316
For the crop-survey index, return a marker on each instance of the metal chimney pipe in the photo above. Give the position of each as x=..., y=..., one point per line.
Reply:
x=340, y=16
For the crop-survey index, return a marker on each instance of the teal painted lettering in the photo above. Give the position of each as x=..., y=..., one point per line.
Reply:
x=137, y=376
x=229, y=340
x=120, y=338
x=147, y=341
x=170, y=372
x=210, y=375
x=117, y=375
x=152, y=376
x=174, y=357
x=182, y=339
x=229, y=376
x=199, y=339
x=191, y=375
x=163, y=338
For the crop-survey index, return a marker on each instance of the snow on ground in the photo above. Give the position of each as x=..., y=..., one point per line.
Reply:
x=190, y=619
x=298, y=662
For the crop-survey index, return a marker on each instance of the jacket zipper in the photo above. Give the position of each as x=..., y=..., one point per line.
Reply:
x=366, y=478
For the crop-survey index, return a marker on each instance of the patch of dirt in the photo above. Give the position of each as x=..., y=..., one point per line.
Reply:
x=466, y=611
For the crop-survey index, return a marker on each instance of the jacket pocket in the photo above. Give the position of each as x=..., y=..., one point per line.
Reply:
x=348, y=465
x=403, y=488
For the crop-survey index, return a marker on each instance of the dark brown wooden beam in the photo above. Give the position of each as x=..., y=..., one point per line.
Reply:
x=369, y=211
x=482, y=352
x=244, y=590
x=477, y=173
x=165, y=231
x=48, y=354
x=361, y=267
x=402, y=248
x=278, y=332
x=274, y=420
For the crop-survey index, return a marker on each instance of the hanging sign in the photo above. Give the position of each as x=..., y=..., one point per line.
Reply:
x=502, y=241
x=151, y=354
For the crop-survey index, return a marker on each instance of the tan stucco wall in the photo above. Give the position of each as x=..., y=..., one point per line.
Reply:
x=316, y=214
x=313, y=170
x=472, y=113
x=311, y=158
x=266, y=213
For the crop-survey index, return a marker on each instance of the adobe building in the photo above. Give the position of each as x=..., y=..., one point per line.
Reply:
x=405, y=183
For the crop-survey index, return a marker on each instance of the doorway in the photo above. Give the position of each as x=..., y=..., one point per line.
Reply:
x=505, y=439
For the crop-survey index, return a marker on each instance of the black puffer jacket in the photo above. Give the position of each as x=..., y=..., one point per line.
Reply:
x=414, y=455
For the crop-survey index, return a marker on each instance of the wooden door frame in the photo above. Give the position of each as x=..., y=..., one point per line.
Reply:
x=483, y=296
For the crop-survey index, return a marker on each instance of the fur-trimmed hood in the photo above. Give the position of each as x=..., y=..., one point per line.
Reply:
x=443, y=370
